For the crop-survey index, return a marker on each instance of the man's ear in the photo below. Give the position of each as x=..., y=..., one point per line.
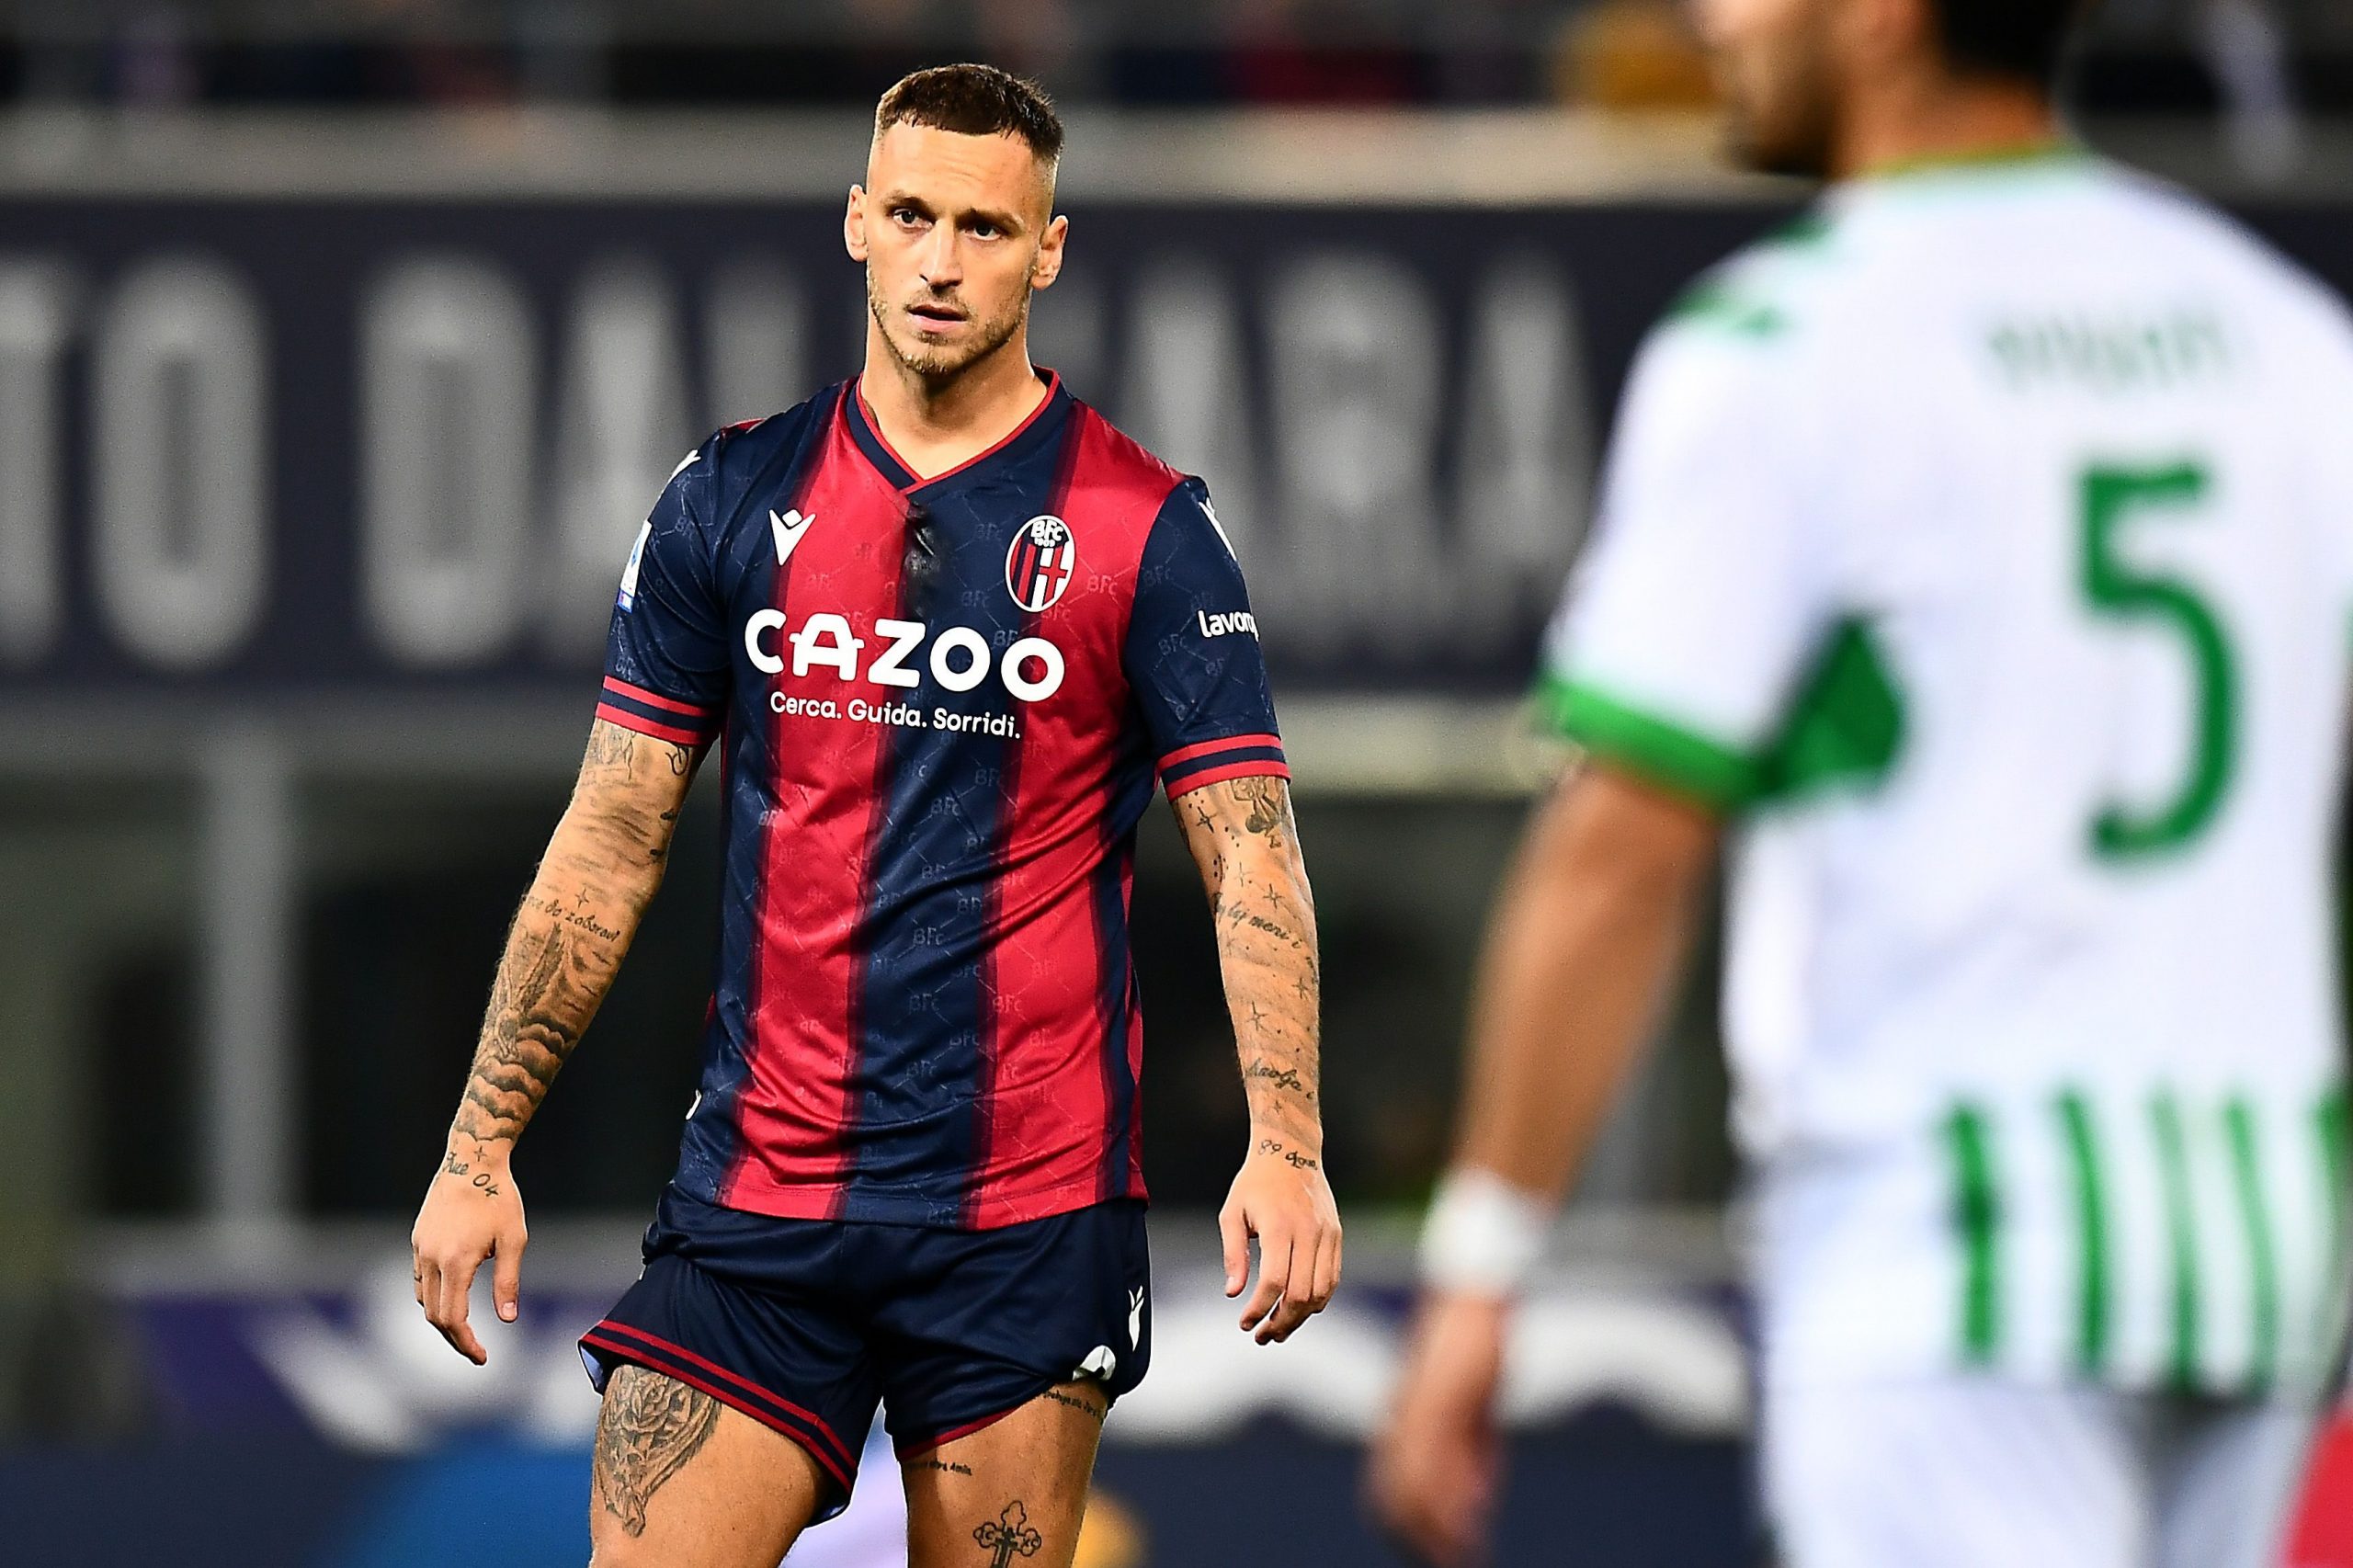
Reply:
x=1049, y=265
x=854, y=224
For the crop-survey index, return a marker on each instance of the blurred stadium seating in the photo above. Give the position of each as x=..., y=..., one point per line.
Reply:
x=2145, y=54
x=342, y=346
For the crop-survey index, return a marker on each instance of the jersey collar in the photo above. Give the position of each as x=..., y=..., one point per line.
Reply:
x=1025, y=438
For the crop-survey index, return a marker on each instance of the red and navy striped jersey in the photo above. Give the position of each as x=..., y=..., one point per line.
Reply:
x=941, y=707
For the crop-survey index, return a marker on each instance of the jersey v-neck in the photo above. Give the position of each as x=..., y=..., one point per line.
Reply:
x=1040, y=424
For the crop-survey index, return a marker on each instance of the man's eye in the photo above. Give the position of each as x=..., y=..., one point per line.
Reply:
x=905, y=215
x=985, y=230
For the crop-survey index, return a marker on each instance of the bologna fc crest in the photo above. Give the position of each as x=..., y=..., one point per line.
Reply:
x=1038, y=566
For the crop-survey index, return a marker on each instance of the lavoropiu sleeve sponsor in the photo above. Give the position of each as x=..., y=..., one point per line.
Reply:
x=1704, y=596
x=666, y=658
x=1193, y=657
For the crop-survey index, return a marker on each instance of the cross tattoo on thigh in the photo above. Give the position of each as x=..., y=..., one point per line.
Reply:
x=1008, y=1534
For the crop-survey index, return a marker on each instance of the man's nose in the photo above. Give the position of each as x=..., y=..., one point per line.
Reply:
x=939, y=261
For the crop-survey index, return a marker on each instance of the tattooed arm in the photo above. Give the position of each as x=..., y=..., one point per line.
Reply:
x=1243, y=839
x=562, y=950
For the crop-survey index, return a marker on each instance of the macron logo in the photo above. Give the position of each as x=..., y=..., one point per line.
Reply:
x=1210, y=513
x=1226, y=625
x=787, y=531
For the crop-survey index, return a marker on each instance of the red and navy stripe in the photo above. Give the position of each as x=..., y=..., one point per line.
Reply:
x=651, y=713
x=1212, y=762
x=1003, y=1025
x=787, y=1109
x=1119, y=1016
x=782, y=453
x=926, y=1036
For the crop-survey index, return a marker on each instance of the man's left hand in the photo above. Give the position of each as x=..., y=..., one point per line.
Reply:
x=1280, y=1197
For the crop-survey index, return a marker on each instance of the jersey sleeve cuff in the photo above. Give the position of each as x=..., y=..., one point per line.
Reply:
x=1212, y=762
x=1656, y=750
x=651, y=713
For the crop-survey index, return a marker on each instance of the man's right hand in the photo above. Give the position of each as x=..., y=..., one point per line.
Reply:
x=472, y=1213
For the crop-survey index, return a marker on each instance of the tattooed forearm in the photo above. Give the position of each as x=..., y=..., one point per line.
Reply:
x=1274, y=928
x=548, y=984
x=575, y=919
x=1246, y=843
x=1291, y=1157
x=483, y=1181
x=570, y=933
x=1279, y=1077
x=650, y=1426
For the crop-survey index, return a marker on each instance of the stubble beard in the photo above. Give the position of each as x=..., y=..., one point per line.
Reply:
x=946, y=363
x=1802, y=149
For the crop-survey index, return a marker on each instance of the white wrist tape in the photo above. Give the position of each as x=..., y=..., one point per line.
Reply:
x=1484, y=1236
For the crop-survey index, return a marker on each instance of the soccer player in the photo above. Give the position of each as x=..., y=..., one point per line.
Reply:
x=948, y=628
x=1981, y=547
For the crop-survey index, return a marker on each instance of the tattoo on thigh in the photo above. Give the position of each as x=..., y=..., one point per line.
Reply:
x=651, y=1426
x=1075, y=1404
x=1009, y=1536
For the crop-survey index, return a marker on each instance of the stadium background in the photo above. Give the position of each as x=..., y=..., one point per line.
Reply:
x=341, y=346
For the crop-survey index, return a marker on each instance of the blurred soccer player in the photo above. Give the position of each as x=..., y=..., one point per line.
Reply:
x=949, y=628
x=1982, y=545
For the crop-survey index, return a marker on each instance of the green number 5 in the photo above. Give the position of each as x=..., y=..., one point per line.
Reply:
x=2112, y=498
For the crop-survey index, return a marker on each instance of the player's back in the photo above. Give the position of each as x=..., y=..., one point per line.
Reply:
x=2033, y=991
x=2084, y=506
x=2089, y=509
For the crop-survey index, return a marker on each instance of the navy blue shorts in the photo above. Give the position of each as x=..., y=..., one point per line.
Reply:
x=806, y=1324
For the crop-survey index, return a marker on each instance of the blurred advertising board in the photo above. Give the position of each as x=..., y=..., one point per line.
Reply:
x=400, y=446
x=351, y=1362
x=346, y=445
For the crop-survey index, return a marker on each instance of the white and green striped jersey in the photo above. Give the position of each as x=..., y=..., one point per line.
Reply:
x=1986, y=541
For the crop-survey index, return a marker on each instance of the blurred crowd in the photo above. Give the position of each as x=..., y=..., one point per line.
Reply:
x=2260, y=60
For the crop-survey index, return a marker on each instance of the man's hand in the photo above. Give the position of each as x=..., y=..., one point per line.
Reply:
x=1437, y=1462
x=1280, y=1197
x=472, y=1213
